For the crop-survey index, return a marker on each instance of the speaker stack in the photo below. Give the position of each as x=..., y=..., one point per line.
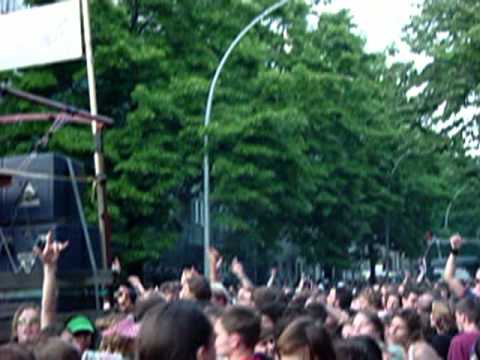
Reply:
x=31, y=205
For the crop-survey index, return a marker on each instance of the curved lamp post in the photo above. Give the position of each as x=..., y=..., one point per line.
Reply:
x=206, y=182
x=449, y=207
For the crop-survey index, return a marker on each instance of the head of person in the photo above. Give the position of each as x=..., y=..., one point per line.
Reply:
x=120, y=337
x=368, y=299
x=237, y=331
x=410, y=297
x=442, y=318
x=358, y=348
x=56, y=348
x=79, y=330
x=384, y=291
x=405, y=328
x=220, y=296
x=266, y=343
x=142, y=306
x=125, y=297
x=442, y=290
x=196, y=288
x=393, y=302
x=265, y=295
x=368, y=323
x=213, y=312
x=317, y=311
x=26, y=324
x=170, y=290
x=15, y=351
x=424, y=303
x=177, y=330
x=467, y=314
x=305, y=339
x=245, y=297
x=340, y=297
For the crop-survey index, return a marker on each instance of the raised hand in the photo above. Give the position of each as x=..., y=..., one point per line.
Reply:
x=456, y=241
x=237, y=267
x=215, y=257
x=116, y=266
x=52, y=250
x=273, y=271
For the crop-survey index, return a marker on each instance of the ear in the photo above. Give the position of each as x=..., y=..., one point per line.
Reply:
x=234, y=340
x=202, y=353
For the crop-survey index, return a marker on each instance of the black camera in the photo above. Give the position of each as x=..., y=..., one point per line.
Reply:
x=41, y=241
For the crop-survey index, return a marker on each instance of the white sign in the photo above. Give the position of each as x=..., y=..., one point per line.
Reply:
x=40, y=35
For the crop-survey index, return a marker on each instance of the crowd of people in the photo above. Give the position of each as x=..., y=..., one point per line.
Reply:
x=199, y=318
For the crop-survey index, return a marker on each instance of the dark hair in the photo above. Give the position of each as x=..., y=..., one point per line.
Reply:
x=13, y=351
x=270, y=302
x=56, y=348
x=144, y=305
x=410, y=289
x=470, y=307
x=173, y=330
x=358, y=348
x=413, y=322
x=302, y=332
x=170, y=287
x=317, y=311
x=266, y=295
x=344, y=297
x=374, y=319
x=213, y=312
x=200, y=288
x=132, y=293
x=243, y=321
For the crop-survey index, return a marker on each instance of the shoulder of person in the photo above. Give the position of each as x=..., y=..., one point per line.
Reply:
x=425, y=351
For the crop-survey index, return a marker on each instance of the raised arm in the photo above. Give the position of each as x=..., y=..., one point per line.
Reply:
x=273, y=275
x=215, y=263
x=301, y=284
x=49, y=256
x=136, y=283
x=237, y=269
x=454, y=284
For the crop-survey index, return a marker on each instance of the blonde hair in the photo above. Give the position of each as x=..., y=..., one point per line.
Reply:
x=442, y=316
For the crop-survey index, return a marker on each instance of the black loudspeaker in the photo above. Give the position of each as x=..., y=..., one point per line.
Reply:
x=75, y=257
x=33, y=200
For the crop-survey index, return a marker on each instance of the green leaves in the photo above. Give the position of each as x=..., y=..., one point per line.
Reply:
x=312, y=141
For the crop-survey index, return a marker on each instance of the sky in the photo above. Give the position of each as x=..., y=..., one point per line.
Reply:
x=380, y=22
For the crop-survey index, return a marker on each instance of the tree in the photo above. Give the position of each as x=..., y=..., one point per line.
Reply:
x=447, y=33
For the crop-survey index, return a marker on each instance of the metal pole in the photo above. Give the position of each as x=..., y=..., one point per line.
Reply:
x=449, y=207
x=64, y=108
x=206, y=180
x=387, y=216
x=104, y=218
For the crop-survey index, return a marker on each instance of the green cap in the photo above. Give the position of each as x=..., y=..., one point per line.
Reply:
x=80, y=323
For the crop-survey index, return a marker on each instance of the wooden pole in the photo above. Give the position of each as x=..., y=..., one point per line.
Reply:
x=103, y=216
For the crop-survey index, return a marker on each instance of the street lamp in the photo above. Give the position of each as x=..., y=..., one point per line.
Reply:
x=449, y=207
x=206, y=180
x=387, y=217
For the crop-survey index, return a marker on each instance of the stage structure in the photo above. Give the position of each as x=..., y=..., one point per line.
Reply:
x=61, y=32
x=58, y=177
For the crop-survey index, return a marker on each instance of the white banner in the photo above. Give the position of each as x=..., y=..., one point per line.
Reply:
x=40, y=35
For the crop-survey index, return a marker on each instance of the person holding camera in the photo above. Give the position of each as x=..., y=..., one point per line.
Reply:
x=30, y=319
